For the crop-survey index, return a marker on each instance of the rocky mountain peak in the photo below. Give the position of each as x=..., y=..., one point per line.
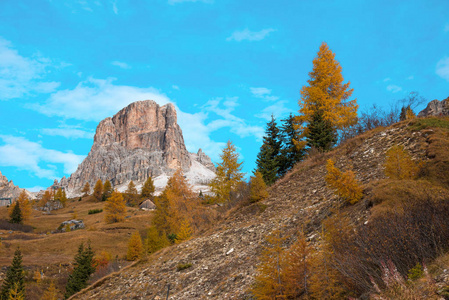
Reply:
x=140, y=140
x=8, y=189
x=436, y=108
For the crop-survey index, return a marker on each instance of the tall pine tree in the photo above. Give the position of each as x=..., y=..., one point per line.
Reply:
x=290, y=154
x=148, y=189
x=268, y=159
x=15, y=277
x=82, y=271
x=16, y=214
x=324, y=102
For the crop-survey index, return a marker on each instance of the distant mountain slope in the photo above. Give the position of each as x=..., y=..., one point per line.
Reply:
x=224, y=260
x=9, y=190
x=142, y=139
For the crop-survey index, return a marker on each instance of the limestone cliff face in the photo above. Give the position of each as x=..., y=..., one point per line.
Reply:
x=142, y=139
x=8, y=189
x=436, y=108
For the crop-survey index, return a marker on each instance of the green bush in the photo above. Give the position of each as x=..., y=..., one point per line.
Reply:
x=416, y=272
x=95, y=211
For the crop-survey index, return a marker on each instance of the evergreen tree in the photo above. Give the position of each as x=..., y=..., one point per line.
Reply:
x=320, y=134
x=81, y=273
x=258, y=188
x=326, y=99
x=268, y=159
x=115, y=208
x=228, y=174
x=148, y=189
x=107, y=190
x=86, y=189
x=16, y=214
x=25, y=206
x=290, y=153
x=135, y=247
x=98, y=190
x=15, y=278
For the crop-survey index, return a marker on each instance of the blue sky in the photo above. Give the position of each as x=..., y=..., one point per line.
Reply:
x=226, y=64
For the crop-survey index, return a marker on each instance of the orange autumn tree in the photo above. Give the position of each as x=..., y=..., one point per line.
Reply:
x=115, y=208
x=399, y=164
x=324, y=105
x=176, y=204
x=135, y=247
x=344, y=184
x=24, y=204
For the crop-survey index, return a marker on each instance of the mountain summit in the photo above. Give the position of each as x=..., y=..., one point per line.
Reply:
x=141, y=140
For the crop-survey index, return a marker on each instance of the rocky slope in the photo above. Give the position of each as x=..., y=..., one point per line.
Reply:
x=142, y=139
x=223, y=261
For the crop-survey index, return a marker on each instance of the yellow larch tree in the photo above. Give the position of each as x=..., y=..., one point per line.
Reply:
x=344, y=184
x=98, y=190
x=115, y=208
x=258, y=188
x=228, y=174
x=24, y=204
x=324, y=103
x=185, y=231
x=399, y=164
x=135, y=247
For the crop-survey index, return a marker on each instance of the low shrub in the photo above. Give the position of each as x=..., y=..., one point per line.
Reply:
x=95, y=211
x=5, y=225
x=181, y=266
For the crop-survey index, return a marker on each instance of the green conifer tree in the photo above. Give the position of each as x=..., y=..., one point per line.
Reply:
x=16, y=215
x=290, y=153
x=15, y=278
x=81, y=273
x=321, y=135
x=268, y=159
x=148, y=189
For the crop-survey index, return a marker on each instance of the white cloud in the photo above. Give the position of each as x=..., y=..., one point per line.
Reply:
x=411, y=77
x=31, y=156
x=248, y=35
x=387, y=79
x=442, y=68
x=114, y=8
x=278, y=110
x=236, y=125
x=263, y=93
x=121, y=64
x=173, y=2
x=446, y=28
x=394, y=88
x=69, y=133
x=20, y=76
x=96, y=99
x=175, y=87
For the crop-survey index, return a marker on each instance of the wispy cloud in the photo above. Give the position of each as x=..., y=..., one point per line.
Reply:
x=278, y=110
x=223, y=107
x=120, y=64
x=173, y=2
x=394, y=88
x=69, y=133
x=114, y=7
x=20, y=76
x=263, y=93
x=446, y=28
x=175, y=87
x=411, y=77
x=33, y=157
x=248, y=35
x=387, y=79
x=96, y=99
x=442, y=68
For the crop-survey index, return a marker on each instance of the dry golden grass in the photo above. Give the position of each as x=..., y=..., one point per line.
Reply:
x=42, y=248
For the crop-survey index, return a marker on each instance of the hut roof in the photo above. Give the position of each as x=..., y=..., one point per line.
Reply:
x=147, y=205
